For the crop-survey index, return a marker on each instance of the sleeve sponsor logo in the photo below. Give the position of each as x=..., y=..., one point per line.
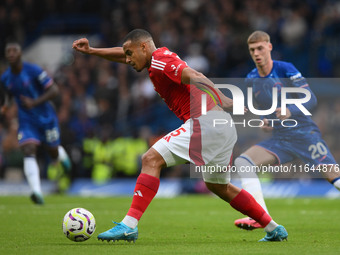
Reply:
x=296, y=76
x=42, y=76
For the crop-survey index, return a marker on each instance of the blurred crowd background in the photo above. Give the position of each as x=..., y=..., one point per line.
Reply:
x=109, y=114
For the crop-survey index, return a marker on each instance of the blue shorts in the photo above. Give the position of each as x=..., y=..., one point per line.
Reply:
x=309, y=146
x=35, y=132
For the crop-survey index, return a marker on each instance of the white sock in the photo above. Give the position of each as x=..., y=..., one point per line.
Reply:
x=31, y=170
x=250, y=180
x=336, y=183
x=62, y=153
x=129, y=221
x=271, y=226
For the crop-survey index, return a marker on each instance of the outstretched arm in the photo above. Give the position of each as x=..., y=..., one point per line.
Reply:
x=193, y=77
x=115, y=54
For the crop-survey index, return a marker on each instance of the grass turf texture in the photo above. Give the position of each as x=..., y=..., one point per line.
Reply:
x=183, y=225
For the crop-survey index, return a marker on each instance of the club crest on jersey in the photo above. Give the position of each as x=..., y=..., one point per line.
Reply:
x=167, y=52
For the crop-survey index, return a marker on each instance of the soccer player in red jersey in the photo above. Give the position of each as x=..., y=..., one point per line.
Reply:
x=198, y=140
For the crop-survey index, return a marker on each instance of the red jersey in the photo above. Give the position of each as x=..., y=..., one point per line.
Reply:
x=165, y=73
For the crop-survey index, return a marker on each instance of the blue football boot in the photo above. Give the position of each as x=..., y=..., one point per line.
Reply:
x=277, y=235
x=119, y=232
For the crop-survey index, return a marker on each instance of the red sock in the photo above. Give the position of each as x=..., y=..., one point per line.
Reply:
x=246, y=204
x=145, y=190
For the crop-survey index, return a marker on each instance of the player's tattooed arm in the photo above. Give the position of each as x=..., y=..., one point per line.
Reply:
x=193, y=77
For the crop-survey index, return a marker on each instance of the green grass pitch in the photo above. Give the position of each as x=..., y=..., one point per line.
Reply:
x=182, y=225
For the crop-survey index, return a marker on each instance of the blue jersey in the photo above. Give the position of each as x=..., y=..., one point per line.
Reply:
x=283, y=74
x=30, y=82
x=304, y=140
x=39, y=124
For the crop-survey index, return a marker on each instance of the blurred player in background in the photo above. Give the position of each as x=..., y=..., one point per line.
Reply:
x=286, y=143
x=196, y=141
x=32, y=89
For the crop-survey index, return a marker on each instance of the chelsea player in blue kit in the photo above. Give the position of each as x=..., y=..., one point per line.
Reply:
x=32, y=89
x=302, y=140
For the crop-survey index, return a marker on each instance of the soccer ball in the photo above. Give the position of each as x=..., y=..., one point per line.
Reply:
x=79, y=224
